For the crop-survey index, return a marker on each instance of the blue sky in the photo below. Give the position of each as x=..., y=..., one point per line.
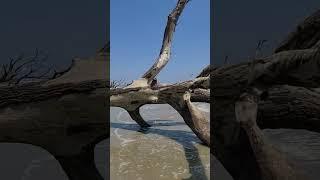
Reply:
x=136, y=31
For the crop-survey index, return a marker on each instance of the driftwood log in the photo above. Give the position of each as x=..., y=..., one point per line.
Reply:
x=146, y=90
x=273, y=164
x=59, y=116
x=290, y=80
x=66, y=116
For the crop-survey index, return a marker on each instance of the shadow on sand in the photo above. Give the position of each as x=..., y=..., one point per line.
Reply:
x=185, y=138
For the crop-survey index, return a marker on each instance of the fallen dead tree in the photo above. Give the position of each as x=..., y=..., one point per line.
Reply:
x=272, y=163
x=289, y=81
x=292, y=98
x=66, y=116
x=146, y=91
x=289, y=78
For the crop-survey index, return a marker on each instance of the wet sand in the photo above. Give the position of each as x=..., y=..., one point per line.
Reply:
x=168, y=150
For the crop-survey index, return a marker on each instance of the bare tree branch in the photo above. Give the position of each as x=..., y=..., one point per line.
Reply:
x=22, y=68
x=165, y=51
x=117, y=83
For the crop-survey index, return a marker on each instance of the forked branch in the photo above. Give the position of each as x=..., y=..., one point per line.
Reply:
x=165, y=51
x=147, y=91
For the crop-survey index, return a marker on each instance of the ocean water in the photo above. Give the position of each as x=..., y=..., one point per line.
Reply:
x=168, y=150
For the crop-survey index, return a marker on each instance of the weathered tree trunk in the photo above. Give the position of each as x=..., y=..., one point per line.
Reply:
x=292, y=96
x=165, y=51
x=286, y=107
x=273, y=164
x=290, y=78
x=66, y=116
x=132, y=99
x=142, y=91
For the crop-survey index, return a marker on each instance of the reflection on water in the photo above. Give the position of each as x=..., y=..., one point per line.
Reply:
x=168, y=150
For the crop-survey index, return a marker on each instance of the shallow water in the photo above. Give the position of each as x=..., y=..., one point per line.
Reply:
x=168, y=150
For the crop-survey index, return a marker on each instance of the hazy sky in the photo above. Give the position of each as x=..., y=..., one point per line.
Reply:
x=239, y=25
x=63, y=28
x=136, y=33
